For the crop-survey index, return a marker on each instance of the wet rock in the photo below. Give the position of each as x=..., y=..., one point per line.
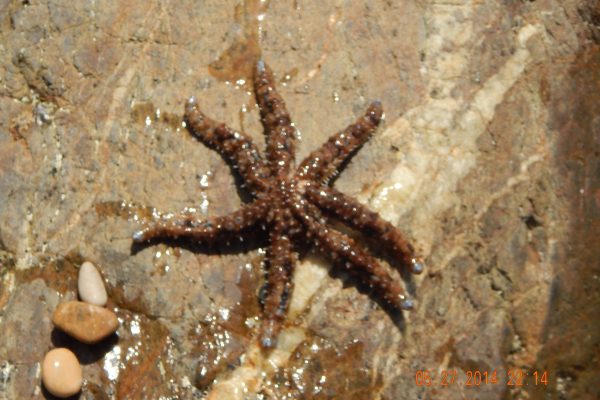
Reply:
x=61, y=373
x=91, y=286
x=85, y=322
x=491, y=125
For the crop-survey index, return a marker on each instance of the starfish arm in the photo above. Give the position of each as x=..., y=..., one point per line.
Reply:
x=186, y=226
x=370, y=223
x=281, y=134
x=323, y=164
x=344, y=250
x=234, y=146
x=281, y=261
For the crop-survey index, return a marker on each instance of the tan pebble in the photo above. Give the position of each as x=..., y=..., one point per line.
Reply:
x=90, y=285
x=85, y=322
x=61, y=373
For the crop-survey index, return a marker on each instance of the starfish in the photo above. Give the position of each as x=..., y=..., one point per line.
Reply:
x=294, y=204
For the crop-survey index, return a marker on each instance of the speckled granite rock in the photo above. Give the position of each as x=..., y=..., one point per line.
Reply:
x=488, y=158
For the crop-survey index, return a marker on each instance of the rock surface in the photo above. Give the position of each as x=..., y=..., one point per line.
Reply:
x=61, y=373
x=85, y=322
x=488, y=158
x=90, y=285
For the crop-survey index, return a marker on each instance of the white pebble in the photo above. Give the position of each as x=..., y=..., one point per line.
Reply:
x=90, y=285
x=61, y=373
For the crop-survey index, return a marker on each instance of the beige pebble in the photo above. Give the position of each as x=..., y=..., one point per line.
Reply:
x=61, y=373
x=90, y=285
x=85, y=322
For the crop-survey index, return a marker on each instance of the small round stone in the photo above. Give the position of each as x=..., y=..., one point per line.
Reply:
x=90, y=285
x=61, y=373
x=85, y=322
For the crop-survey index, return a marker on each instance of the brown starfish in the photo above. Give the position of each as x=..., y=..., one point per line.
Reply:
x=292, y=204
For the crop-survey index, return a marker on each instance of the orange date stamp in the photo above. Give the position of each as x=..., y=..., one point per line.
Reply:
x=474, y=378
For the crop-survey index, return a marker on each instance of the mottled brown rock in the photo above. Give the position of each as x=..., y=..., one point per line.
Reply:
x=487, y=159
x=85, y=322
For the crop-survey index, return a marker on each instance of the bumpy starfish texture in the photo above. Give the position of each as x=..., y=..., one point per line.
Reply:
x=293, y=204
